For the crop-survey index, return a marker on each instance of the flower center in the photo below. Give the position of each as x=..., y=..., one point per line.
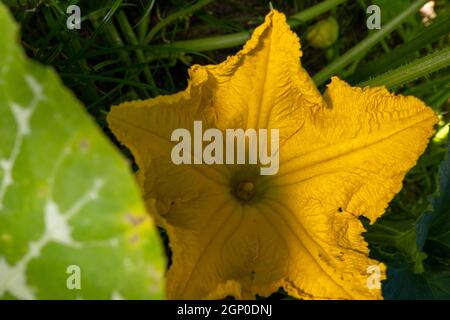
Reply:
x=245, y=190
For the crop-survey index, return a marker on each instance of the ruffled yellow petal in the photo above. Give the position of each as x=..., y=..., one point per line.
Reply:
x=341, y=156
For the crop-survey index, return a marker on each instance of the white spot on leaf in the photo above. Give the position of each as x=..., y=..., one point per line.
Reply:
x=117, y=296
x=22, y=116
x=13, y=281
x=56, y=224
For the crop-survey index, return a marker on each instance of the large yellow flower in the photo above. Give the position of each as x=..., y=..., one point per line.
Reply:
x=236, y=232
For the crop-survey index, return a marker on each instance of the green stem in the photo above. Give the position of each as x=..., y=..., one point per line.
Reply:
x=99, y=27
x=439, y=29
x=132, y=39
x=88, y=87
x=106, y=79
x=411, y=71
x=173, y=17
x=438, y=101
x=237, y=39
x=385, y=46
x=213, y=43
x=315, y=11
x=364, y=46
x=145, y=20
x=114, y=38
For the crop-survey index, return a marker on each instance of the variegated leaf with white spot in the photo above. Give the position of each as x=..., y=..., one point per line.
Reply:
x=67, y=197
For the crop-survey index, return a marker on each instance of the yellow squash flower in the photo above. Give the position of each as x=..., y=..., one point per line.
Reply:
x=235, y=232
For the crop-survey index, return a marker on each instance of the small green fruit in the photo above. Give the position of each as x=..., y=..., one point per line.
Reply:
x=323, y=33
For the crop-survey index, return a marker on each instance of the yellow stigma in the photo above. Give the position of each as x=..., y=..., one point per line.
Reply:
x=245, y=190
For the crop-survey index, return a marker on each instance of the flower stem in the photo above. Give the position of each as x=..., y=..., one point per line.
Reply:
x=363, y=47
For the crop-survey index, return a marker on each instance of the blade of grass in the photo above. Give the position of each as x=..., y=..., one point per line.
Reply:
x=55, y=21
x=106, y=79
x=441, y=98
x=173, y=17
x=99, y=27
x=429, y=85
x=365, y=45
x=155, y=52
x=129, y=34
x=145, y=20
x=114, y=38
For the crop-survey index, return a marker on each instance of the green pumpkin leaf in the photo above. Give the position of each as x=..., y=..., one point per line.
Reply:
x=404, y=284
x=432, y=240
x=72, y=223
x=439, y=232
